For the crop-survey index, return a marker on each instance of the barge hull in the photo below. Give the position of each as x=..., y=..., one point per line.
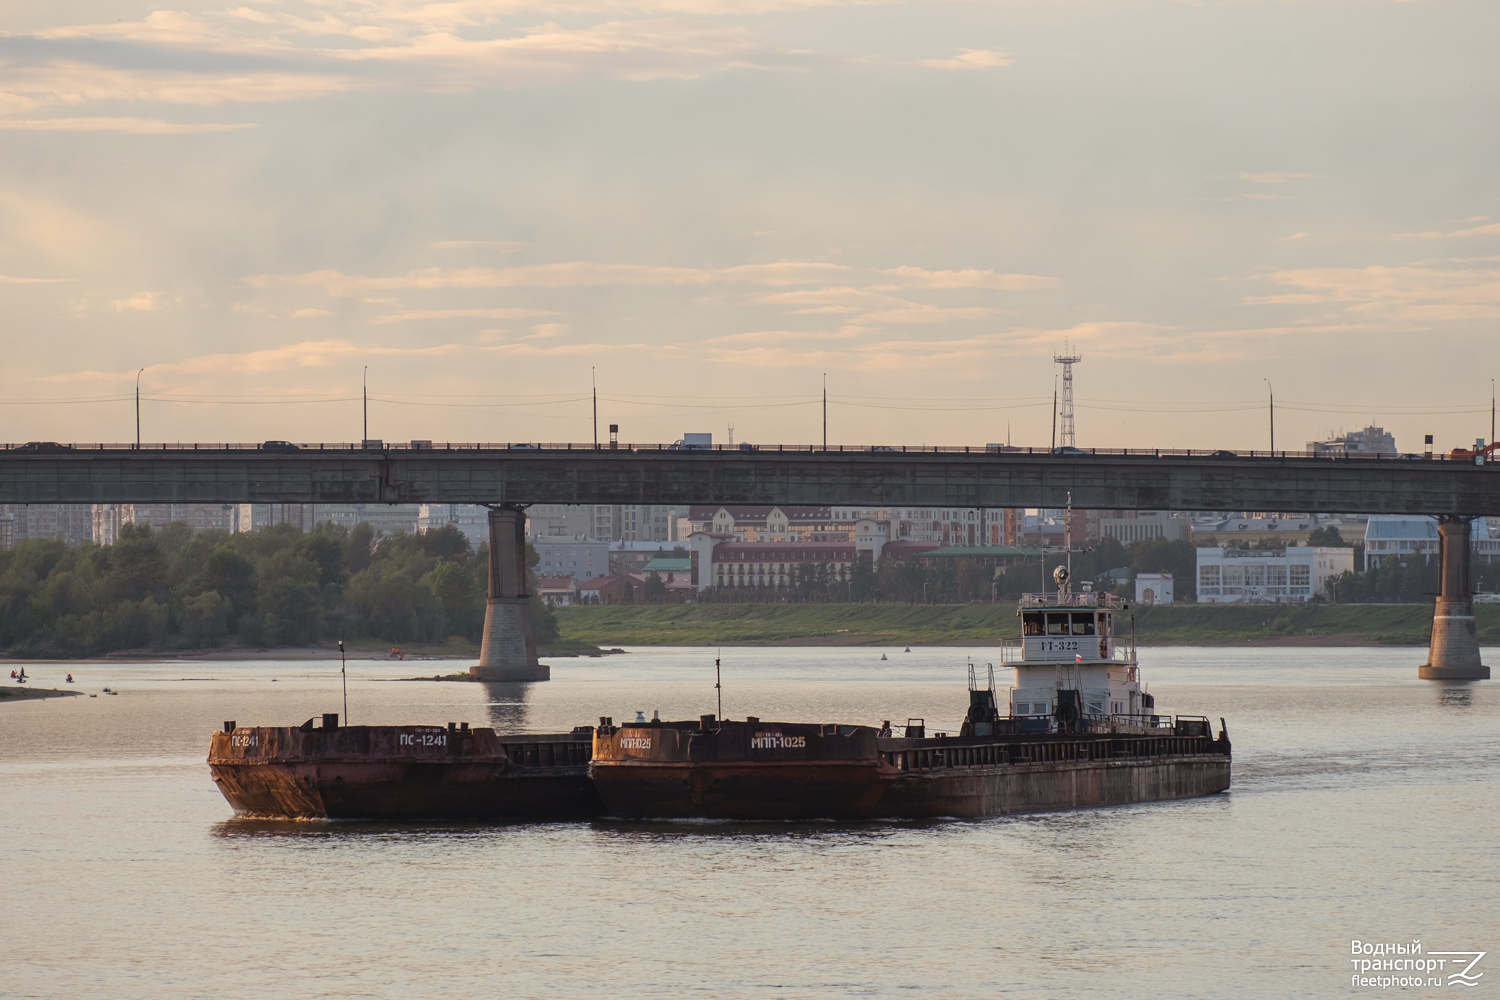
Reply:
x=1031, y=788
x=404, y=791
x=864, y=791
x=401, y=773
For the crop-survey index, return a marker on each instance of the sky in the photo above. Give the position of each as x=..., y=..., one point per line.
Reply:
x=488, y=207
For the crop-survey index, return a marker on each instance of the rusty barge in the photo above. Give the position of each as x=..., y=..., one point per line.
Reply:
x=790, y=771
x=401, y=772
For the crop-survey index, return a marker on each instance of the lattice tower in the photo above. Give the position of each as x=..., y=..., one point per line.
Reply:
x=1067, y=361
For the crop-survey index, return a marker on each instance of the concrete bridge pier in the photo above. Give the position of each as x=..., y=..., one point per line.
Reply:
x=1453, y=654
x=508, y=651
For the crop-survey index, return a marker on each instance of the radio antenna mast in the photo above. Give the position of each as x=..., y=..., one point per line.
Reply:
x=1067, y=361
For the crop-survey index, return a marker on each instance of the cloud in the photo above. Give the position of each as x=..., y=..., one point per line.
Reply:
x=261, y=56
x=136, y=126
x=1247, y=196
x=781, y=336
x=543, y=331
x=6, y=279
x=970, y=59
x=577, y=274
x=1295, y=236
x=305, y=354
x=1490, y=229
x=318, y=354
x=504, y=246
x=39, y=225
x=833, y=299
x=927, y=314
x=409, y=315
x=1274, y=177
x=1409, y=295
x=916, y=277
x=310, y=313
x=141, y=302
x=68, y=81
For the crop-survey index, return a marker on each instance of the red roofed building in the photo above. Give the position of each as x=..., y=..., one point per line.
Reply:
x=636, y=588
x=559, y=590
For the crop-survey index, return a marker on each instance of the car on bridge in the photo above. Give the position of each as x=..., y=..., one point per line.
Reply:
x=1068, y=449
x=44, y=446
x=279, y=446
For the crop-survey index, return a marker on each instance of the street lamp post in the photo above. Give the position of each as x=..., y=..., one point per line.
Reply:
x=138, y=408
x=1272, y=391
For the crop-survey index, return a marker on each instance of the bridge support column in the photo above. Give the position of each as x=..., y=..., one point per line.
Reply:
x=1453, y=654
x=508, y=651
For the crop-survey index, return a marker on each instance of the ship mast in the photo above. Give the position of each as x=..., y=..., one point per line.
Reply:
x=1068, y=528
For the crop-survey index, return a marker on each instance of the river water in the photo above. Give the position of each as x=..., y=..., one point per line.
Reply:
x=1364, y=806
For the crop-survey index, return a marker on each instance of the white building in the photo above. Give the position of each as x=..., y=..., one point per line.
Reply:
x=605, y=522
x=1388, y=535
x=71, y=522
x=260, y=516
x=1145, y=526
x=1291, y=575
x=1153, y=588
x=106, y=519
x=966, y=526
x=581, y=558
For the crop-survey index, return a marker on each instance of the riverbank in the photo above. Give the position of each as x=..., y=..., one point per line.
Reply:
x=357, y=650
x=19, y=693
x=966, y=624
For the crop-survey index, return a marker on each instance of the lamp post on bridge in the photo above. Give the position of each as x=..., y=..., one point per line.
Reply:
x=1272, y=391
x=138, y=408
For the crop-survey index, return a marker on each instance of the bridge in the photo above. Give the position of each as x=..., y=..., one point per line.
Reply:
x=509, y=477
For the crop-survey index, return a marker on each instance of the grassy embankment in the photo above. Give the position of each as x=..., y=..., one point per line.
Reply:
x=893, y=624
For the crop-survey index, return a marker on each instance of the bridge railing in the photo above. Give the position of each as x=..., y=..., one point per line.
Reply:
x=528, y=446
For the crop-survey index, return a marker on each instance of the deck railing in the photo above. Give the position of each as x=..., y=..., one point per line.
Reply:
x=1071, y=454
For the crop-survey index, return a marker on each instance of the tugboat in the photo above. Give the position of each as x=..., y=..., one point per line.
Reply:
x=1079, y=731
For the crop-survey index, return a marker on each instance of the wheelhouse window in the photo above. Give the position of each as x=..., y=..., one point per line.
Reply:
x=1083, y=622
x=1059, y=623
x=1031, y=624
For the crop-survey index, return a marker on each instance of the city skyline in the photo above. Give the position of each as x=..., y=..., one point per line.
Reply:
x=706, y=208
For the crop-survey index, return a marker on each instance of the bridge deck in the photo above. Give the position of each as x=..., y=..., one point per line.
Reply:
x=656, y=474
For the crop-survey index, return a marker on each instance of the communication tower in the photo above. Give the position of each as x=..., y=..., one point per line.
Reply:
x=1067, y=361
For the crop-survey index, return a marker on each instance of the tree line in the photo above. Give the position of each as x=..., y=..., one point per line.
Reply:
x=174, y=589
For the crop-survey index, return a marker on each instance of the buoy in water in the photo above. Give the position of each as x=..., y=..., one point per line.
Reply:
x=882, y=656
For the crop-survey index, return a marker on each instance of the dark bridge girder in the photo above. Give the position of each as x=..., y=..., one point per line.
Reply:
x=210, y=474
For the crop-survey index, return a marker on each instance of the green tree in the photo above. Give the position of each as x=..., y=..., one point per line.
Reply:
x=655, y=589
x=1327, y=537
